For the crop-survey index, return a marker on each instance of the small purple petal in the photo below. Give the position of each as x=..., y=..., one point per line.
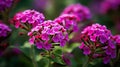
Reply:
x=45, y=37
x=93, y=38
x=47, y=46
x=66, y=60
x=113, y=54
x=31, y=40
x=56, y=38
x=62, y=43
x=108, y=51
x=86, y=50
x=111, y=44
x=82, y=45
x=106, y=59
x=103, y=39
x=39, y=45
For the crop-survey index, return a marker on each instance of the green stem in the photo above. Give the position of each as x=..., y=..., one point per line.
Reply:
x=118, y=55
x=49, y=65
x=49, y=62
x=111, y=64
x=116, y=62
x=33, y=56
x=86, y=63
x=5, y=17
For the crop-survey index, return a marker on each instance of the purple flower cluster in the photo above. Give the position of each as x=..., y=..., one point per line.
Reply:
x=27, y=18
x=4, y=29
x=47, y=33
x=5, y=4
x=97, y=42
x=79, y=10
x=69, y=21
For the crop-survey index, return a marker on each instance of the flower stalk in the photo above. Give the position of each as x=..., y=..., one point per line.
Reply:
x=86, y=63
x=33, y=56
x=49, y=61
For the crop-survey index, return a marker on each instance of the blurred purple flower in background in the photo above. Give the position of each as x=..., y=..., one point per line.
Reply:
x=4, y=34
x=40, y=5
x=16, y=51
x=4, y=29
x=107, y=5
x=104, y=6
x=81, y=11
x=67, y=58
x=5, y=4
x=97, y=42
x=117, y=26
x=46, y=33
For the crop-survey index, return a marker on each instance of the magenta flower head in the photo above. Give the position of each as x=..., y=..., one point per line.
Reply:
x=4, y=30
x=27, y=19
x=97, y=43
x=4, y=4
x=69, y=21
x=46, y=34
x=79, y=10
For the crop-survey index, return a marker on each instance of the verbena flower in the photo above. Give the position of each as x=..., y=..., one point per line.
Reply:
x=4, y=30
x=4, y=4
x=47, y=33
x=79, y=10
x=27, y=19
x=69, y=21
x=97, y=42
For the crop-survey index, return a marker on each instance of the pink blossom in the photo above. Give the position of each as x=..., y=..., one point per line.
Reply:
x=96, y=39
x=47, y=33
